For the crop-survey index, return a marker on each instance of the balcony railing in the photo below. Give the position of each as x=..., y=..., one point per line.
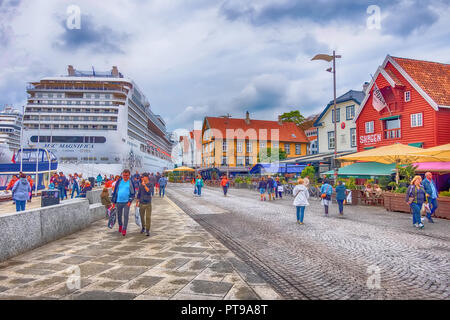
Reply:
x=392, y=134
x=71, y=88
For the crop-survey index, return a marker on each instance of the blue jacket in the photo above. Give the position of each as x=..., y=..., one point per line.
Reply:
x=116, y=189
x=340, y=192
x=428, y=189
x=262, y=185
x=326, y=188
x=419, y=195
x=162, y=181
x=21, y=190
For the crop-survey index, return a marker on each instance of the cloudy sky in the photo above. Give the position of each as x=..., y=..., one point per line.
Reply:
x=194, y=58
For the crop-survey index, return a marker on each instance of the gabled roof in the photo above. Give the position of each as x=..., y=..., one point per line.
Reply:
x=352, y=95
x=288, y=131
x=430, y=79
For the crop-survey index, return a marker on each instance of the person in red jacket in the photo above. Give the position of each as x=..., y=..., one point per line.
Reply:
x=12, y=182
x=31, y=182
x=225, y=183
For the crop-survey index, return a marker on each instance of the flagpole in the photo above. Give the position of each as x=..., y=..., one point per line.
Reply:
x=21, y=139
x=375, y=83
x=37, y=155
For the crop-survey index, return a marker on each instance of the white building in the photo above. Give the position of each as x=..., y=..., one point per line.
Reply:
x=346, y=108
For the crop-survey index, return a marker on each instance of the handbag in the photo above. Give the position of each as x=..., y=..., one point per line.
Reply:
x=137, y=217
x=112, y=218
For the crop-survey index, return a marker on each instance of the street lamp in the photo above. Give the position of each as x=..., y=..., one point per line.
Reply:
x=329, y=58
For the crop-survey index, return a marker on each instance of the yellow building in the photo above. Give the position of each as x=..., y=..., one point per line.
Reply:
x=245, y=142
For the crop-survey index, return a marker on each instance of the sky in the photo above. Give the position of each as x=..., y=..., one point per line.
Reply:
x=197, y=58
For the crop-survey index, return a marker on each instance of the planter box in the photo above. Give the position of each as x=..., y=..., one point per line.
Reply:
x=443, y=210
x=396, y=202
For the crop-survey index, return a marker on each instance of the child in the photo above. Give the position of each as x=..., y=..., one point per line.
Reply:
x=301, y=195
x=280, y=190
x=262, y=188
x=106, y=201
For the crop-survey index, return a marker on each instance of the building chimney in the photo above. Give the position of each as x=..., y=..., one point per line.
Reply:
x=247, y=118
x=115, y=72
x=280, y=122
x=71, y=71
x=365, y=86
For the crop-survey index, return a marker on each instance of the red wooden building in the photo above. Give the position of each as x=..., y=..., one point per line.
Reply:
x=417, y=95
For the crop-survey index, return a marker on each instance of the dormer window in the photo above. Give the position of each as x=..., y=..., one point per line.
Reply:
x=407, y=96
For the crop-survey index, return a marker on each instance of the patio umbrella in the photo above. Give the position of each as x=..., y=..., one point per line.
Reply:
x=440, y=153
x=184, y=169
x=395, y=153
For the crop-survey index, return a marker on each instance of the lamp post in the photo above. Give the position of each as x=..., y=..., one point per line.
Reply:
x=330, y=58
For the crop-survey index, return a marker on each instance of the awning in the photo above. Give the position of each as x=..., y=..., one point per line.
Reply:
x=365, y=170
x=416, y=144
x=275, y=168
x=320, y=157
x=441, y=167
x=390, y=118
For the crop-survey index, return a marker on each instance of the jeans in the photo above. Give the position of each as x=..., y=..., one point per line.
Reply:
x=433, y=206
x=300, y=213
x=199, y=190
x=145, y=210
x=416, y=212
x=225, y=190
x=20, y=205
x=125, y=209
x=162, y=190
x=62, y=192
x=75, y=187
x=341, y=206
x=280, y=194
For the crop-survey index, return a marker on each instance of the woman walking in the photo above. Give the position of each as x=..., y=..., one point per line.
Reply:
x=301, y=195
x=416, y=197
x=341, y=196
x=225, y=183
x=21, y=192
x=199, y=185
x=262, y=189
x=326, y=191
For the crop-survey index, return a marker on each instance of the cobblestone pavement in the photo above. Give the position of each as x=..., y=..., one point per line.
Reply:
x=180, y=260
x=367, y=254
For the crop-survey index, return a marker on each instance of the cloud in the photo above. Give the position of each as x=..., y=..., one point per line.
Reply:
x=99, y=39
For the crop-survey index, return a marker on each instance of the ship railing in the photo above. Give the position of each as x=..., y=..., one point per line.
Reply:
x=31, y=87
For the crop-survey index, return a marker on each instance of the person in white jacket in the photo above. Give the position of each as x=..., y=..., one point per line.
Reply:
x=301, y=195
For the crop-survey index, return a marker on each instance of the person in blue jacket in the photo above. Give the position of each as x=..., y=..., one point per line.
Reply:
x=122, y=197
x=432, y=193
x=262, y=187
x=162, y=186
x=341, y=196
x=326, y=191
x=21, y=192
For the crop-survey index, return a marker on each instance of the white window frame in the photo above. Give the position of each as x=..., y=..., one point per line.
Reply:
x=415, y=117
x=371, y=128
x=249, y=147
x=353, y=137
x=239, y=146
x=262, y=144
x=299, y=146
x=407, y=96
x=287, y=148
x=224, y=145
x=330, y=137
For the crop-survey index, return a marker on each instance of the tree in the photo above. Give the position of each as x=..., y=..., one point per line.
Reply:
x=293, y=116
x=309, y=172
x=276, y=155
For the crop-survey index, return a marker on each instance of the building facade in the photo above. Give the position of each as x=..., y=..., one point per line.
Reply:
x=230, y=142
x=346, y=108
x=417, y=105
x=311, y=133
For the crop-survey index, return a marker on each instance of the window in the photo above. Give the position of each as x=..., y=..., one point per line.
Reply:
x=353, y=137
x=331, y=140
x=416, y=120
x=407, y=96
x=249, y=146
x=392, y=129
x=224, y=161
x=224, y=146
x=248, y=161
x=350, y=112
x=240, y=161
x=262, y=144
x=338, y=112
x=275, y=144
x=298, y=148
x=287, y=148
x=239, y=146
x=370, y=127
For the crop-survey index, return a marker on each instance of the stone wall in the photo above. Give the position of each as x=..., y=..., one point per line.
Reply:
x=24, y=231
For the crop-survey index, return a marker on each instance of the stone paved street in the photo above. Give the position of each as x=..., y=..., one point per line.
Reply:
x=327, y=258
x=179, y=261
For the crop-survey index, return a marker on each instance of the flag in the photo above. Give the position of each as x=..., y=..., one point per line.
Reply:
x=378, y=100
x=13, y=160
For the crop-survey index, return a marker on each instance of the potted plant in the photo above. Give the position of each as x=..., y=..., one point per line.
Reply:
x=443, y=210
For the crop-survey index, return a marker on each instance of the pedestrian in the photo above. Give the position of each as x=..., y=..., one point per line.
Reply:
x=276, y=183
x=99, y=180
x=158, y=176
x=270, y=188
x=326, y=191
x=31, y=182
x=21, y=192
x=262, y=186
x=86, y=187
x=225, y=183
x=144, y=203
x=416, y=197
x=62, y=185
x=199, y=185
x=106, y=200
x=11, y=184
x=122, y=197
x=301, y=195
x=280, y=190
x=162, y=186
x=341, y=196
x=432, y=193
x=76, y=185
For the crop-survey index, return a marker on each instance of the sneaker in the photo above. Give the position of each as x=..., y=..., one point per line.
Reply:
x=147, y=233
x=301, y=223
x=124, y=232
x=430, y=220
x=120, y=229
x=421, y=225
x=143, y=230
x=416, y=225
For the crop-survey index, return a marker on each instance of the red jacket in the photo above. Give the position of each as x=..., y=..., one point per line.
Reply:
x=224, y=182
x=11, y=183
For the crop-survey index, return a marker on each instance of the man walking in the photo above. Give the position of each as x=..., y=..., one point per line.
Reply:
x=144, y=203
x=152, y=180
x=122, y=198
x=431, y=191
x=62, y=185
x=75, y=185
x=162, y=186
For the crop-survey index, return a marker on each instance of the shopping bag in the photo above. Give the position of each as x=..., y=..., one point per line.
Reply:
x=137, y=217
x=112, y=218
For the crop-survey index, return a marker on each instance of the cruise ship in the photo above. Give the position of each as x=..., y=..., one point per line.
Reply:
x=10, y=126
x=97, y=121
